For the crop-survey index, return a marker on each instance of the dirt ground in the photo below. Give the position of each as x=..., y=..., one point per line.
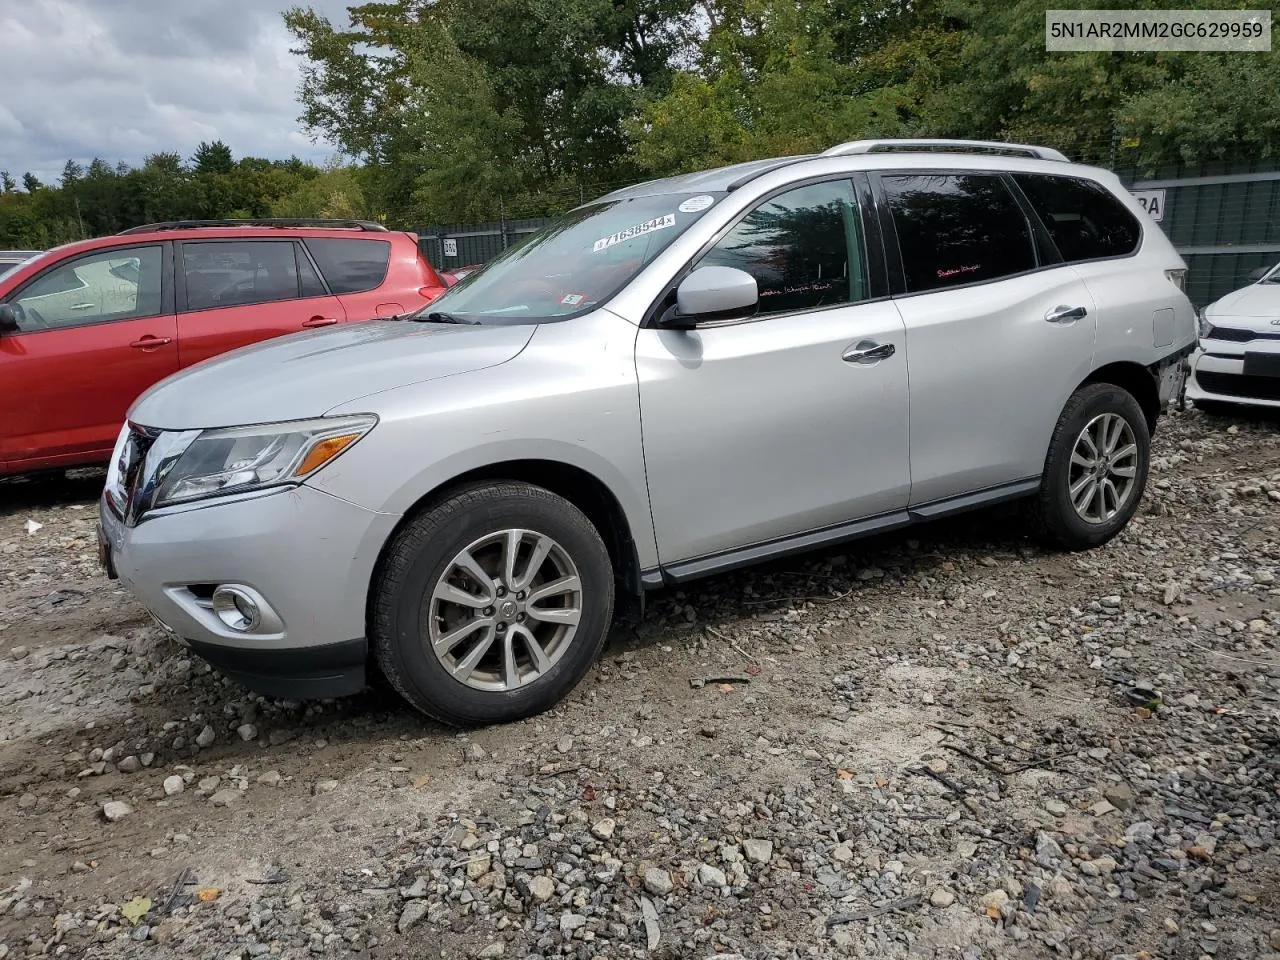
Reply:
x=955, y=742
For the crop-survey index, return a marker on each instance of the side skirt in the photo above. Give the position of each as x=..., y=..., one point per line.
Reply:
x=686, y=570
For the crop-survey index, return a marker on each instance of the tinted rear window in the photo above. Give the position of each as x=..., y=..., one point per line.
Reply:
x=1084, y=219
x=957, y=228
x=351, y=266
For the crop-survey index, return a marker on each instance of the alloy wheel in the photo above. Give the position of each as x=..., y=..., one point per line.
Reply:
x=1104, y=468
x=505, y=610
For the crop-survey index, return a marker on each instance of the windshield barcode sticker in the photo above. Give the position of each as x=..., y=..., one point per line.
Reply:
x=657, y=223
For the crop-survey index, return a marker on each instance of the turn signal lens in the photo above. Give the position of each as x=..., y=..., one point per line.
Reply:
x=323, y=452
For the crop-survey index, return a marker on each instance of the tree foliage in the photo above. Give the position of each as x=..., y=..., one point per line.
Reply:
x=100, y=198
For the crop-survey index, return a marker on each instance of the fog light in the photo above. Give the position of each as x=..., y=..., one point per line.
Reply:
x=237, y=609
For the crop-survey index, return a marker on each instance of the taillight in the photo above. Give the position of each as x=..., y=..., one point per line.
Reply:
x=1178, y=277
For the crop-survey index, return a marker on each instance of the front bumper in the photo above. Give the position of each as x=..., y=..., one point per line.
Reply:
x=1218, y=374
x=308, y=554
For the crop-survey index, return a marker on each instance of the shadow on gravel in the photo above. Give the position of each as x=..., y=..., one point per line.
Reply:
x=50, y=489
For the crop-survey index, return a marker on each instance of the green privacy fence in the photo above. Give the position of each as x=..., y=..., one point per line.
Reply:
x=1223, y=218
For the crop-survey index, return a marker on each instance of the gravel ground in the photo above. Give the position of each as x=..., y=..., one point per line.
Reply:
x=953, y=743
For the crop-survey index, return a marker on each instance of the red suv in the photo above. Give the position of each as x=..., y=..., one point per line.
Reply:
x=86, y=327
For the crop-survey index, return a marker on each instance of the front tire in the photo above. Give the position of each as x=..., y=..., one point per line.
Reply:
x=1096, y=468
x=492, y=605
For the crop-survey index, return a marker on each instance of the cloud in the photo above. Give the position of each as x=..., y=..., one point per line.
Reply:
x=121, y=80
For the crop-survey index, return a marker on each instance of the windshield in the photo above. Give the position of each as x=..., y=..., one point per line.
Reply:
x=576, y=263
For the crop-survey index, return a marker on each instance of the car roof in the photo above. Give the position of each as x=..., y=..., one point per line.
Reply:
x=870, y=155
x=137, y=236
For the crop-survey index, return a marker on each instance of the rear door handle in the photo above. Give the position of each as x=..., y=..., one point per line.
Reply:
x=150, y=343
x=1064, y=314
x=320, y=322
x=868, y=352
x=82, y=306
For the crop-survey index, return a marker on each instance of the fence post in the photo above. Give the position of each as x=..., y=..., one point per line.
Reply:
x=502, y=221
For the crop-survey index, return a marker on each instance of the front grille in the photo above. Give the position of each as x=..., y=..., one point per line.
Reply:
x=1237, y=385
x=1235, y=335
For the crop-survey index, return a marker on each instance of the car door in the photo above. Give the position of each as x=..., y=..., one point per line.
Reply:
x=794, y=420
x=95, y=331
x=356, y=270
x=233, y=292
x=999, y=332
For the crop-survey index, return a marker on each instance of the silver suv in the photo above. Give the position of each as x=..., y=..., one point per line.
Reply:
x=677, y=379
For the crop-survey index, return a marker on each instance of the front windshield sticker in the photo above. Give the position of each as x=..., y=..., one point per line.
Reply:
x=657, y=223
x=696, y=204
x=572, y=299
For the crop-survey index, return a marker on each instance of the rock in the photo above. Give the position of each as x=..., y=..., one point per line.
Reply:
x=1120, y=795
x=324, y=786
x=542, y=888
x=129, y=764
x=206, y=737
x=1102, y=808
x=603, y=829
x=710, y=876
x=225, y=797
x=993, y=900
x=1275, y=939
x=247, y=732
x=420, y=888
x=652, y=932
x=658, y=882
x=173, y=785
x=564, y=744
x=270, y=779
x=1059, y=887
x=569, y=922
x=494, y=950
x=19, y=653
x=115, y=810
x=474, y=753
x=478, y=866
x=758, y=851
x=942, y=898
x=1141, y=832
x=413, y=912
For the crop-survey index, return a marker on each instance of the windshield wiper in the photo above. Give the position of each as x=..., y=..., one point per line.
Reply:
x=437, y=316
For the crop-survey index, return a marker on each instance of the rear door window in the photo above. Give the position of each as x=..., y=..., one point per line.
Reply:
x=351, y=266
x=1085, y=221
x=957, y=228
x=232, y=273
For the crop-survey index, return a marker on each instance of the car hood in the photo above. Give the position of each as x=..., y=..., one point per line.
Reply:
x=1256, y=300
x=307, y=374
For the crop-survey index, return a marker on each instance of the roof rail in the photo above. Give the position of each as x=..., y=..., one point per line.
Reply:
x=946, y=146
x=365, y=225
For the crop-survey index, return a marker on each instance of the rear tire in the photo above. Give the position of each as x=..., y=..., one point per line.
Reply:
x=1096, y=469
x=491, y=605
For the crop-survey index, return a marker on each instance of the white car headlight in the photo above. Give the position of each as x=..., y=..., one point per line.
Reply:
x=238, y=459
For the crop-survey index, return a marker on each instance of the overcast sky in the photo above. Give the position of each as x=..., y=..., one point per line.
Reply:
x=120, y=79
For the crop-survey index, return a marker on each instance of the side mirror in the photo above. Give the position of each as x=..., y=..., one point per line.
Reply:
x=716, y=293
x=8, y=318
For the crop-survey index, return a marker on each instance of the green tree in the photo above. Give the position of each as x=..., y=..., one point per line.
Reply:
x=7, y=183
x=30, y=182
x=212, y=158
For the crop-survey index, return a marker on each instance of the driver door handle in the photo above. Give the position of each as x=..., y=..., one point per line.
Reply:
x=1064, y=314
x=320, y=322
x=150, y=343
x=868, y=352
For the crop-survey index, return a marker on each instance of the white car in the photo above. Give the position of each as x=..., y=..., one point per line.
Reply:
x=1238, y=360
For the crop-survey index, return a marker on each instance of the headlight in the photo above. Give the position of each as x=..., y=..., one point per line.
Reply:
x=238, y=459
